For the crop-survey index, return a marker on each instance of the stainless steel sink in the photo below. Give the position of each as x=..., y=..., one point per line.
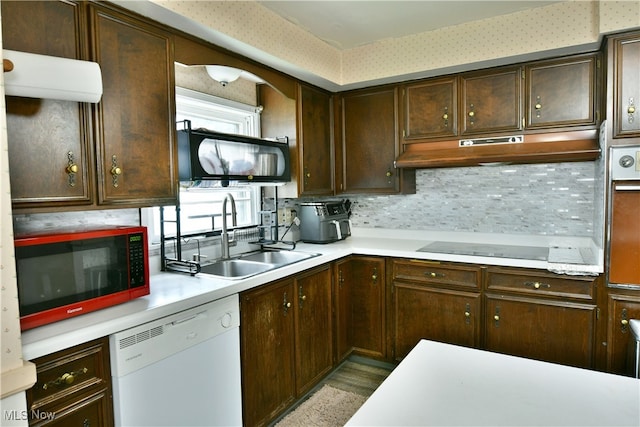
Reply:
x=277, y=257
x=235, y=268
x=253, y=263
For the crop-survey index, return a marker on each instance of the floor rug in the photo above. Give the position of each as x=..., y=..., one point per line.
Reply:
x=328, y=406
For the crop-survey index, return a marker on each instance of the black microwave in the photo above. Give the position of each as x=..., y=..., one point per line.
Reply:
x=208, y=155
x=66, y=274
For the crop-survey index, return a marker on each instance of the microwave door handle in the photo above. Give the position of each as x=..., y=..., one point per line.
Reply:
x=337, y=224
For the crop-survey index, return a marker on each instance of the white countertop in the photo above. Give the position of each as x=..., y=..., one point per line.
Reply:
x=175, y=292
x=445, y=385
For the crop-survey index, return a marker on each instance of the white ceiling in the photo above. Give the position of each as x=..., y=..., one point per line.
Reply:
x=348, y=24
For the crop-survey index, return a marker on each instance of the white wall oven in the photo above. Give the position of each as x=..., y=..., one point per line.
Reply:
x=624, y=217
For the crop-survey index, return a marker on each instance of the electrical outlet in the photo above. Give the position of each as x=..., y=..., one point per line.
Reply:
x=284, y=216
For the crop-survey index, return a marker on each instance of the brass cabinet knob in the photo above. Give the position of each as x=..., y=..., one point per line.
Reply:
x=303, y=297
x=374, y=277
x=631, y=109
x=445, y=116
x=496, y=317
x=68, y=378
x=538, y=106
x=308, y=175
x=471, y=114
x=65, y=379
x=116, y=171
x=467, y=314
x=624, y=322
x=72, y=168
x=388, y=174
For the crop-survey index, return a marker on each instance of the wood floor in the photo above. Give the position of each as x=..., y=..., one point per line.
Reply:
x=359, y=375
x=356, y=374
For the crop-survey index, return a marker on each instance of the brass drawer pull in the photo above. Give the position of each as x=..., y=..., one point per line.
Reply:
x=537, y=285
x=66, y=378
x=434, y=274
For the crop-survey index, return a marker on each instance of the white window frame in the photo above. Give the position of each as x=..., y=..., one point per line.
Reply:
x=193, y=105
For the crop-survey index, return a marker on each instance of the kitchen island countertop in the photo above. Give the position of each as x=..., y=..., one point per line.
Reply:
x=175, y=292
x=441, y=384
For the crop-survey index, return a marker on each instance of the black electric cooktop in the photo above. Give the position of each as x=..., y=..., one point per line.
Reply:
x=488, y=250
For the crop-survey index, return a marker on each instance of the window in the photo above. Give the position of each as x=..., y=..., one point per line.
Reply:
x=201, y=208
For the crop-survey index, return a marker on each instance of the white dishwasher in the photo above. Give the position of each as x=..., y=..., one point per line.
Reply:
x=182, y=370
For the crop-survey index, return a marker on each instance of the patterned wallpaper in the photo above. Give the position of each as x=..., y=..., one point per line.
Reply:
x=196, y=78
x=10, y=334
x=257, y=26
x=556, y=26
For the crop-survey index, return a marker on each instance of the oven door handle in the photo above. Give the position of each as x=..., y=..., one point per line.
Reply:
x=622, y=187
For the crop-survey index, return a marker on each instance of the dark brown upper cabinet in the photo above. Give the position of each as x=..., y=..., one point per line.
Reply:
x=316, y=155
x=562, y=92
x=48, y=139
x=119, y=152
x=491, y=101
x=430, y=109
x=623, y=86
x=369, y=143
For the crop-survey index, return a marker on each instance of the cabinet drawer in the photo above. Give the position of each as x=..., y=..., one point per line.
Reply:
x=71, y=371
x=538, y=283
x=435, y=273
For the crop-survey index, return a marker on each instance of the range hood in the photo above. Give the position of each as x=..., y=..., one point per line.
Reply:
x=532, y=148
x=50, y=77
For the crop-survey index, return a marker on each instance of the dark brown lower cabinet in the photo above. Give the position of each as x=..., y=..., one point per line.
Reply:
x=541, y=315
x=622, y=307
x=286, y=342
x=435, y=314
x=435, y=301
x=361, y=310
x=73, y=387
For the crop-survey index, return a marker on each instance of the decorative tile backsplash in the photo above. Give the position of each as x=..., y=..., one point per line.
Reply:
x=541, y=199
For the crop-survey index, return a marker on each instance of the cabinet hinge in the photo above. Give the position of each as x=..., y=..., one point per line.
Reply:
x=522, y=73
x=597, y=313
x=598, y=63
x=403, y=133
x=523, y=122
x=597, y=116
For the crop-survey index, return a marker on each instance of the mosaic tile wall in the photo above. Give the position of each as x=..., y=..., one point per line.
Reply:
x=542, y=199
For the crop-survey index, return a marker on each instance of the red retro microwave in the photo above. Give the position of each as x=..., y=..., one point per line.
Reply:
x=66, y=274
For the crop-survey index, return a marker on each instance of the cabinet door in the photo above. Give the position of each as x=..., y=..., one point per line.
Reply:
x=314, y=327
x=370, y=142
x=430, y=109
x=491, y=101
x=49, y=140
x=561, y=93
x=549, y=330
x=365, y=281
x=316, y=144
x=435, y=314
x=267, y=351
x=342, y=304
x=622, y=308
x=136, y=152
x=626, y=85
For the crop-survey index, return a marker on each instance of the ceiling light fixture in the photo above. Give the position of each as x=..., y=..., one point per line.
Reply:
x=222, y=74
